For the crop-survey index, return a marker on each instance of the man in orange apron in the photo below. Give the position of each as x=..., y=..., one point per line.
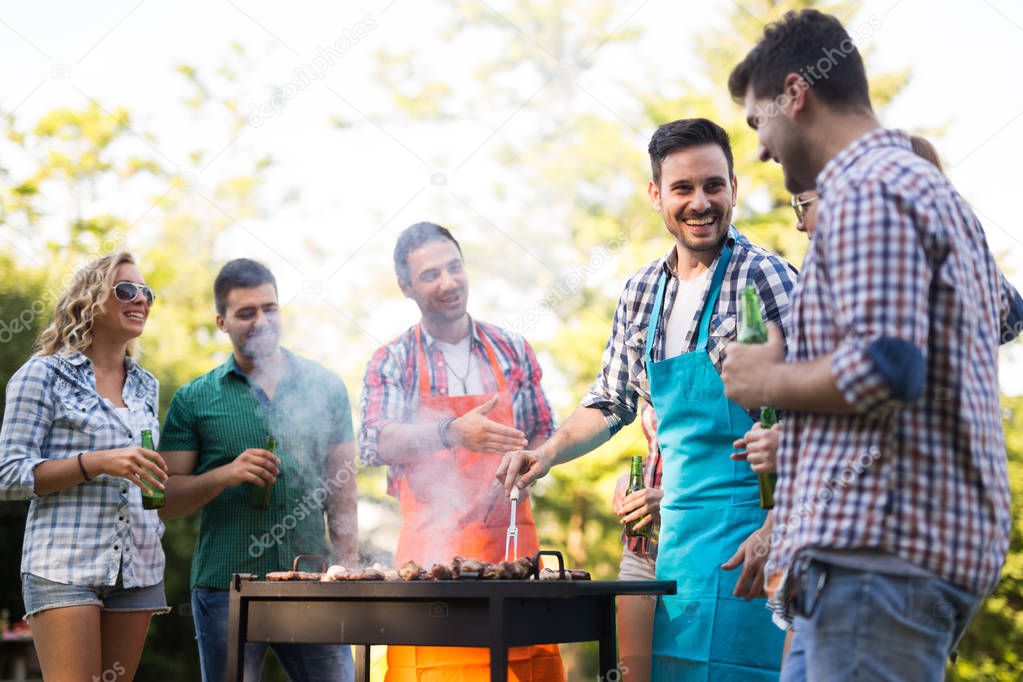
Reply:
x=440, y=405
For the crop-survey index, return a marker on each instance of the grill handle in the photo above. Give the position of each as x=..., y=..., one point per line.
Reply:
x=548, y=552
x=310, y=557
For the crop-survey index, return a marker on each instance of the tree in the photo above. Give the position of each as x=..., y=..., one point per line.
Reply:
x=20, y=321
x=992, y=645
x=57, y=215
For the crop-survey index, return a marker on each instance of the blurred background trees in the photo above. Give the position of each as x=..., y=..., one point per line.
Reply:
x=571, y=193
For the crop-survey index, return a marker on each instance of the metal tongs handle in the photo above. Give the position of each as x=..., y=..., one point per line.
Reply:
x=511, y=539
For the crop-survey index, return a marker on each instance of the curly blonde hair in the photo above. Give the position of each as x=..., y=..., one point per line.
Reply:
x=70, y=331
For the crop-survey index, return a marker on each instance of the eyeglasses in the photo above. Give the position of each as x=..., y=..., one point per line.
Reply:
x=127, y=291
x=797, y=205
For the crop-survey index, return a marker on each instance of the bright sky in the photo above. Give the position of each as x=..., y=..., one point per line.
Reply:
x=357, y=188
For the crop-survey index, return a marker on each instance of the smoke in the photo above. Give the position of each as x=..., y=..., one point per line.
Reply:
x=308, y=415
x=452, y=496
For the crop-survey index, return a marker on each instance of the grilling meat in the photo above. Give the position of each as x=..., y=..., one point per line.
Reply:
x=470, y=568
x=368, y=574
x=440, y=572
x=293, y=575
x=335, y=573
x=570, y=574
x=410, y=570
x=460, y=568
x=523, y=568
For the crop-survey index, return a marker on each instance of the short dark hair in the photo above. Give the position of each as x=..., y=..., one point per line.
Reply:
x=414, y=237
x=240, y=273
x=797, y=43
x=683, y=134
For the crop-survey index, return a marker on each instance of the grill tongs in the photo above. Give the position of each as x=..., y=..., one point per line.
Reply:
x=511, y=538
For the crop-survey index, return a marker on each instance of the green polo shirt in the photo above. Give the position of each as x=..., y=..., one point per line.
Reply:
x=221, y=414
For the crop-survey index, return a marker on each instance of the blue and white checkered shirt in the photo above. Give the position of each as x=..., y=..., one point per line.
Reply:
x=85, y=534
x=623, y=378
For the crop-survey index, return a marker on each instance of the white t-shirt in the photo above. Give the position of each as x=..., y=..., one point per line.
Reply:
x=683, y=313
x=462, y=365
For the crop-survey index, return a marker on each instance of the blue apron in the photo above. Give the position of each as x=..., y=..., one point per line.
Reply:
x=710, y=507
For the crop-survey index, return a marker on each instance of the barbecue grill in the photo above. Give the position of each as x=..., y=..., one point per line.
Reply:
x=494, y=614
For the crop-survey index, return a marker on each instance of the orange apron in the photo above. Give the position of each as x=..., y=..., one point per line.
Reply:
x=445, y=498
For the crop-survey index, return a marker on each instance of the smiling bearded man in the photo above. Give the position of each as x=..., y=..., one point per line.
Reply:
x=673, y=321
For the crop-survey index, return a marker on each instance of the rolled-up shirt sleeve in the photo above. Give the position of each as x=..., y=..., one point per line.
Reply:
x=28, y=414
x=382, y=402
x=880, y=277
x=613, y=392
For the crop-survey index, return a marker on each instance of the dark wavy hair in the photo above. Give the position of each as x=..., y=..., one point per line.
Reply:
x=683, y=134
x=797, y=43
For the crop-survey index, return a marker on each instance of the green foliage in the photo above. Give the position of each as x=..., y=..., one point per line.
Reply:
x=76, y=160
x=20, y=323
x=992, y=648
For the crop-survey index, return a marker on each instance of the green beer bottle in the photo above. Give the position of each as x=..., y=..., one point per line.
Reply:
x=636, y=483
x=152, y=498
x=260, y=497
x=753, y=330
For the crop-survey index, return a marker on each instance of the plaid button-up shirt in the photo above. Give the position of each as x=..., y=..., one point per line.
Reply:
x=85, y=534
x=390, y=392
x=900, y=286
x=623, y=378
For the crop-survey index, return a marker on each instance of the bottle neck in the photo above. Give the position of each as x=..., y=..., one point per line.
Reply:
x=636, y=472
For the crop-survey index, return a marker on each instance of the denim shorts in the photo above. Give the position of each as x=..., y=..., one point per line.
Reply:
x=41, y=594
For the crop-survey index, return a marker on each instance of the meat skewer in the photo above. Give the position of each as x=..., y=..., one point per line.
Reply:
x=511, y=539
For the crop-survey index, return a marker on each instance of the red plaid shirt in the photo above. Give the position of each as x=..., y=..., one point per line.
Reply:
x=900, y=286
x=390, y=391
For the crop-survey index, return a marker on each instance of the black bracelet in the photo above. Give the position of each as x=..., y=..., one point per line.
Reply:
x=442, y=431
x=82, y=467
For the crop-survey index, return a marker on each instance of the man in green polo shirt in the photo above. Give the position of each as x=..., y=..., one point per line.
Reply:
x=213, y=441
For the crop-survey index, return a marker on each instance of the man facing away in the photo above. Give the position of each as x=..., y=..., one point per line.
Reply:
x=214, y=437
x=892, y=517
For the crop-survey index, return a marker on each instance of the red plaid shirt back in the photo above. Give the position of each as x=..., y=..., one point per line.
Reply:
x=900, y=285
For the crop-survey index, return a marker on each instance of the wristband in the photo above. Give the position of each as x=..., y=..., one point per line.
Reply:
x=82, y=467
x=442, y=432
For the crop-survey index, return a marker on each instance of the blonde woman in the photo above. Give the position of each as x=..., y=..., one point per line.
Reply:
x=92, y=564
